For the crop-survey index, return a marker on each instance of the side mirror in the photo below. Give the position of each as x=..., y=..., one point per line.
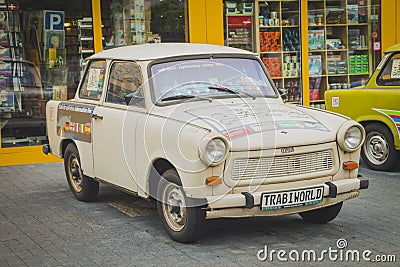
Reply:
x=133, y=98
x=283, y=94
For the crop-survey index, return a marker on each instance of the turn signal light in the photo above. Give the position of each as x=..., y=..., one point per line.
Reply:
x=213, y=180
x=350, y=165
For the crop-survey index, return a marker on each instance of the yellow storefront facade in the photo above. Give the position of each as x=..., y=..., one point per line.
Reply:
x=289, y=35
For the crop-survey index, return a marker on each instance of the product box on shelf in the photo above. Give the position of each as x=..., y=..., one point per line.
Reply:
x=6, y=69
x=314, y=84
x=5, y=53
x=334, y=15
x=352, y=14
x=4, y=38
x=231, y=7
x=315, y=65
x=290, y=40
x=291, y=66
x=270, y=41
x=273, y=66
x=333, y=44
x=337, y=66
x=6, y=101
x=316, y=39
x=359, y=64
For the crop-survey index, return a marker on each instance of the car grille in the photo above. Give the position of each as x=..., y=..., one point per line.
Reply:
x=277, y=166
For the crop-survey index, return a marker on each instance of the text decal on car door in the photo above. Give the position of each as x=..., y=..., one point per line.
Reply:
x=75, y=121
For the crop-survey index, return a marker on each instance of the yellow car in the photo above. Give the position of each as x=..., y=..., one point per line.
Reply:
x=377, y=107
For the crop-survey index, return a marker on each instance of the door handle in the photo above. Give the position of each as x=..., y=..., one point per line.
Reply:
x=95, y=116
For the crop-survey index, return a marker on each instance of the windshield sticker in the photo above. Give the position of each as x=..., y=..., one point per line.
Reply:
x=95, y=79
x=394, y=116
x=75, y=121
x=382, y=62
x=395, y=73
x=335, y=101
x=242, y=120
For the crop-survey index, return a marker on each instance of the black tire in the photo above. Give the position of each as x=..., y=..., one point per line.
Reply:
x=378, y=151
x=182, y=223
x=322, y=215
x=83, y=187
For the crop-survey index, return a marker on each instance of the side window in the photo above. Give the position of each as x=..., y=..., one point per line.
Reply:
x=390, y=75
x=92, y=84
x=125, y=78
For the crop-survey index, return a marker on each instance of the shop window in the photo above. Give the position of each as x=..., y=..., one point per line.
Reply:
x=239, y=24
x=128, y=22
x=343, y=43
x=22, y=104
x=125, y=78
x=390, y=75
x=92, y=83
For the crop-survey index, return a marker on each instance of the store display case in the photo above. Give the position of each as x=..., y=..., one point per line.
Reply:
x=85, y=37
x=239, y=25
x=279, y=44
x=339, y=43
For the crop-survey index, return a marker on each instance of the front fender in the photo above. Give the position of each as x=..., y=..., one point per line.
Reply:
x=379, y=116
x=171, y=140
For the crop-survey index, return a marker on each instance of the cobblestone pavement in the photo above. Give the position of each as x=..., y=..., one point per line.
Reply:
x=41, y=224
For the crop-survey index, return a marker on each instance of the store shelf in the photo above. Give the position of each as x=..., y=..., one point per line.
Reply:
x=283, y=64
x=85, y=27
x=270, y=27
x=239, y=32
x=336, y=25
x=348, y=32
x=270, y=52
x=290, y=26
x=85, y=37
x=239, y=15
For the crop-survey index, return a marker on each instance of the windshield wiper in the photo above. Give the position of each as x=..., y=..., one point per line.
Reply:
x=229, y=90
x=180, y=97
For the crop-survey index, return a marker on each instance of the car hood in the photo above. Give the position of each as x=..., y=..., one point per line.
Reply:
x=257, y=124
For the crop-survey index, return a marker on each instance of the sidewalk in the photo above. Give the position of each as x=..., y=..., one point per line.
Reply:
x=42, y=224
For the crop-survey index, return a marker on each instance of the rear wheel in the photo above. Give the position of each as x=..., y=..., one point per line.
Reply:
x=83, y=187
x=181, y=222
x=322, y=215
x=378, y=151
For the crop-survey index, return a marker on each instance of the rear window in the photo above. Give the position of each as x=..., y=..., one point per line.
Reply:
x=93, y=81
x=390, y=75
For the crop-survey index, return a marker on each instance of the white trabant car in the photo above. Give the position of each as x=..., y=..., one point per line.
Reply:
x=203, y=131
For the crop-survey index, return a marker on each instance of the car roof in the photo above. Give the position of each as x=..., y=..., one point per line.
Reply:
x=393, y=48
x=165, y=50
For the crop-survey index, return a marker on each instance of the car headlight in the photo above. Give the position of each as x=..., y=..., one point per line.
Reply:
x=351, y=136
x=213, y=150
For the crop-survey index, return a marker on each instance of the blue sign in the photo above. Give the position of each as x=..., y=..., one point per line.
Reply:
x=53, y=20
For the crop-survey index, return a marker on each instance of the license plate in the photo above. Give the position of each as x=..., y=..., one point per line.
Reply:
x=292, y=198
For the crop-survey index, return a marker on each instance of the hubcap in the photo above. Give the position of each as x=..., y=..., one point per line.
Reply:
x=174, y=207
x=75, y=173
x=376, y=148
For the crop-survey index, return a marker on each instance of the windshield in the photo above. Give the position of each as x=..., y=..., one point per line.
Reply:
x=212, y=77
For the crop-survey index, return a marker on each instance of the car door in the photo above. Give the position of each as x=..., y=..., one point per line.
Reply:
x=114, y=127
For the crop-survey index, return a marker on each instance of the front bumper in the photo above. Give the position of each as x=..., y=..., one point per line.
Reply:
x=247, y=204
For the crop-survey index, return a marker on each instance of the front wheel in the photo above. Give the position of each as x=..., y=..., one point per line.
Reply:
x=322, y=215
x=83, y=187
x=378, y=151
x=181, y=222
